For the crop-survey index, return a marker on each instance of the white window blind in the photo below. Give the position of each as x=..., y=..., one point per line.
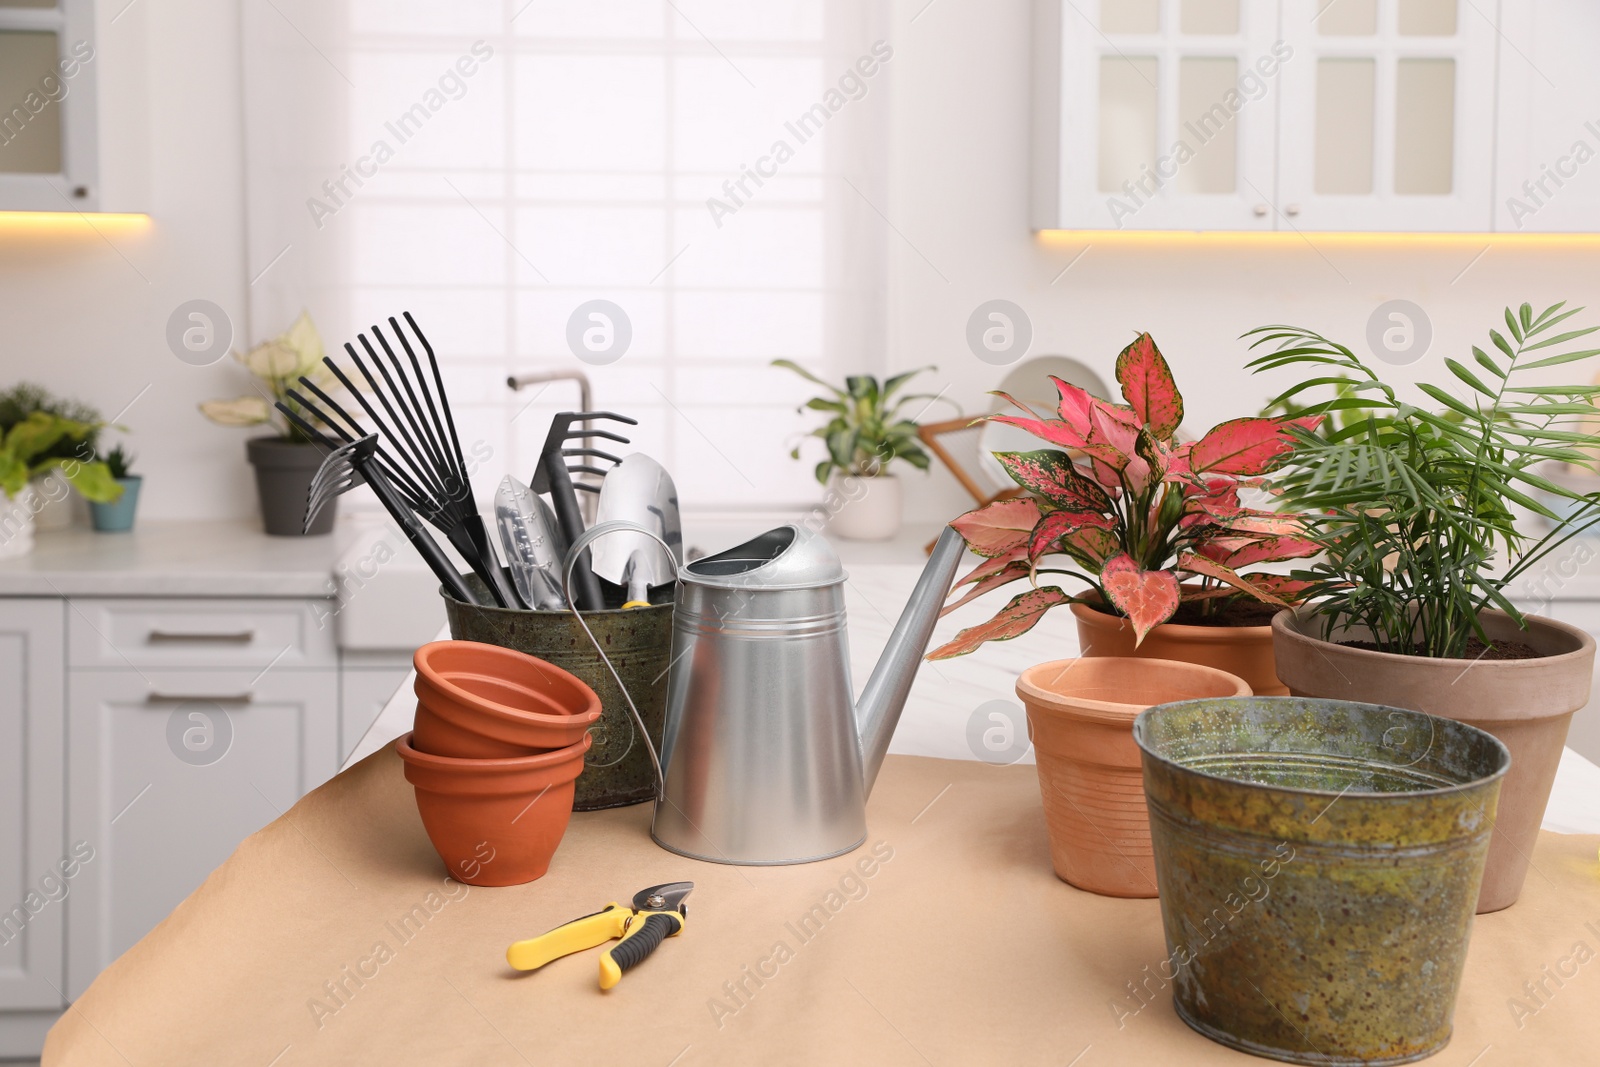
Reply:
x=492, y=166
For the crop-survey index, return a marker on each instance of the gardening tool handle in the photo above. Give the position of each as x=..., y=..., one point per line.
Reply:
x=575, y=551
x=607, y=924
x=636, y=945
x=420, y=539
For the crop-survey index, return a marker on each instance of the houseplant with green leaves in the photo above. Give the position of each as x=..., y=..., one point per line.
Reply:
x=1413, y=510
x=867, y=430
x=116, y=516
x=33, y=464
x=1154, y=528
x=286, y=459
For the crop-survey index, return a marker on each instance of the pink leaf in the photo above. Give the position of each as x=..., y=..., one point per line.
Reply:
x=1091, y=546
x=1052, y=430
x=1148, y=386
x=1074, y=405
x=1011, y=572
x=1245, y=551
x=1016, y=618
x=1057, y=523
x=1050, y=474
x=995, y=529
x=1290, y=590
x=1197, y=564
x=1147, y=598
x=1241, y=446
x=1018, y=553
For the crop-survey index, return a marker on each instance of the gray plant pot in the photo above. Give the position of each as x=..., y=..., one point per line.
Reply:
x=283, y=480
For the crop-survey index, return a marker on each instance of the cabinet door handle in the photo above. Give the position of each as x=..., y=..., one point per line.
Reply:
x=234, y=637
x=1292, y=210
x=1260, y=211
x=199, y=698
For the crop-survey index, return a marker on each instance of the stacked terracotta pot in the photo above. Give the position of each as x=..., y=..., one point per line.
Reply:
x=499, y=740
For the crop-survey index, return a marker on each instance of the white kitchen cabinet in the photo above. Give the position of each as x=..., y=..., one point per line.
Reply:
x=1547, y=165
x=364, y=688
x=1365, y=115
x=32, y=836
x=169, y=771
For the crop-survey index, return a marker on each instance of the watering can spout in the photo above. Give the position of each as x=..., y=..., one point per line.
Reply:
x=884, y=697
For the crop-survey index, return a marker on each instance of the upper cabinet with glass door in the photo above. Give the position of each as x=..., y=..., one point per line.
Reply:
x=1164, y=114
x=1264, y=114
x=48, y=150
x=1387, y=115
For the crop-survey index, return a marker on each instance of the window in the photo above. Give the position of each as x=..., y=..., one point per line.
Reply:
x=711, y=169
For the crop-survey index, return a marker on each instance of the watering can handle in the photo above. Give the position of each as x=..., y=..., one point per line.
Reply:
x=575, y=550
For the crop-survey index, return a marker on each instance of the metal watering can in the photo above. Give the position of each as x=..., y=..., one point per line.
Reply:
x=766, y=758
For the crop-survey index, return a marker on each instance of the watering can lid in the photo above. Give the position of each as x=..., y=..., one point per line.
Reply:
x=786, y=557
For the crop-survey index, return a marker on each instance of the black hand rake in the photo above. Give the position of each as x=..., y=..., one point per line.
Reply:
x=423, y=462
x=554, y=476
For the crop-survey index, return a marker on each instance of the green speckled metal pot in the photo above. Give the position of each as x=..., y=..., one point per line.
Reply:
x=1319, y=864
x=617, y=770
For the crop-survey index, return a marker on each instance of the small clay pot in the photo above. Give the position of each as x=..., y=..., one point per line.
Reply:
x=1244, y=651
x=1080, y=716
x=478, y=701
x=494, y=821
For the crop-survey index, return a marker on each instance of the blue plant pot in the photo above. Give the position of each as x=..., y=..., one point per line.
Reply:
x=117, y=516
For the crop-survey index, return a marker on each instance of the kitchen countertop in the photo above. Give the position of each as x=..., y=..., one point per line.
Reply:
x=174, y=558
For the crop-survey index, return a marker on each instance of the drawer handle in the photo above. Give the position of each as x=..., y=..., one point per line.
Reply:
x=236, y=637
x=199, y=698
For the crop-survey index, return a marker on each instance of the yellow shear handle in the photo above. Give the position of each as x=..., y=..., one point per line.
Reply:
x=647, y=931
x=575, y=936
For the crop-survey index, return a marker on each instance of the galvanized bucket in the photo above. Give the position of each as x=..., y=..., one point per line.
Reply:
x=1318, y=863
x=618, y=770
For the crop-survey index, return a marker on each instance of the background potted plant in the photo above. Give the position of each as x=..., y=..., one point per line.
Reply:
x=285, y=460
x=1411, y=510
x=1154, y=527
x=866, y=433
x=54, y=510
x=29, y=454
x=116, y=516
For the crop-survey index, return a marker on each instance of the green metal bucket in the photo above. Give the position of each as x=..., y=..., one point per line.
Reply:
x=1318, y=863
x=618, y=770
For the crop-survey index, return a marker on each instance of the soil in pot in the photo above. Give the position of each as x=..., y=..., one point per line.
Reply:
x=1080, y=716
x=1526, y=703
x=512, y=811
x=1241, y=645
x=481, y=701
x=284, y=470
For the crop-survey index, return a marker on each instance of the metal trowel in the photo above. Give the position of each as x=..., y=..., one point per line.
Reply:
x=638, y=490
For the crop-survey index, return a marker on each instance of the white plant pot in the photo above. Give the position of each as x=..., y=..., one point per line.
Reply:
x=55, y=504
x=16, y=523
x=864, y=509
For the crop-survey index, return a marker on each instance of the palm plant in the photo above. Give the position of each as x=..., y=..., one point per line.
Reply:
x=1412, y=507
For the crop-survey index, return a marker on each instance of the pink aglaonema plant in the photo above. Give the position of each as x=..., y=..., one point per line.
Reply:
x=1147, y=522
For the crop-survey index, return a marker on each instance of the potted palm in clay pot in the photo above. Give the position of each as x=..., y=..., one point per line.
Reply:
x=1154, y=528
x=1411, y=510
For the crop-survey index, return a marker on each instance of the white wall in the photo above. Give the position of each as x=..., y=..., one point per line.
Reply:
x=959, y=195
x=80, y=319
x=84, y=310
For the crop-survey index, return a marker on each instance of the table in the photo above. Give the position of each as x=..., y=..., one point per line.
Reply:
x=333, y=937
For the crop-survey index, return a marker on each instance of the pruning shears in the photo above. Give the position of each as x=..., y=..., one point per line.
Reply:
x=657, y=914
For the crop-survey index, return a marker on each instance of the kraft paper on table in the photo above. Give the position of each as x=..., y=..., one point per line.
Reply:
x=959, y=947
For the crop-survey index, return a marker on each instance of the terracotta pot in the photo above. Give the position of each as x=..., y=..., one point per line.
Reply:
x=1526, y=703
x=1080, y=716
x=494, y=821
x=478, y=701
x=1244, y=651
